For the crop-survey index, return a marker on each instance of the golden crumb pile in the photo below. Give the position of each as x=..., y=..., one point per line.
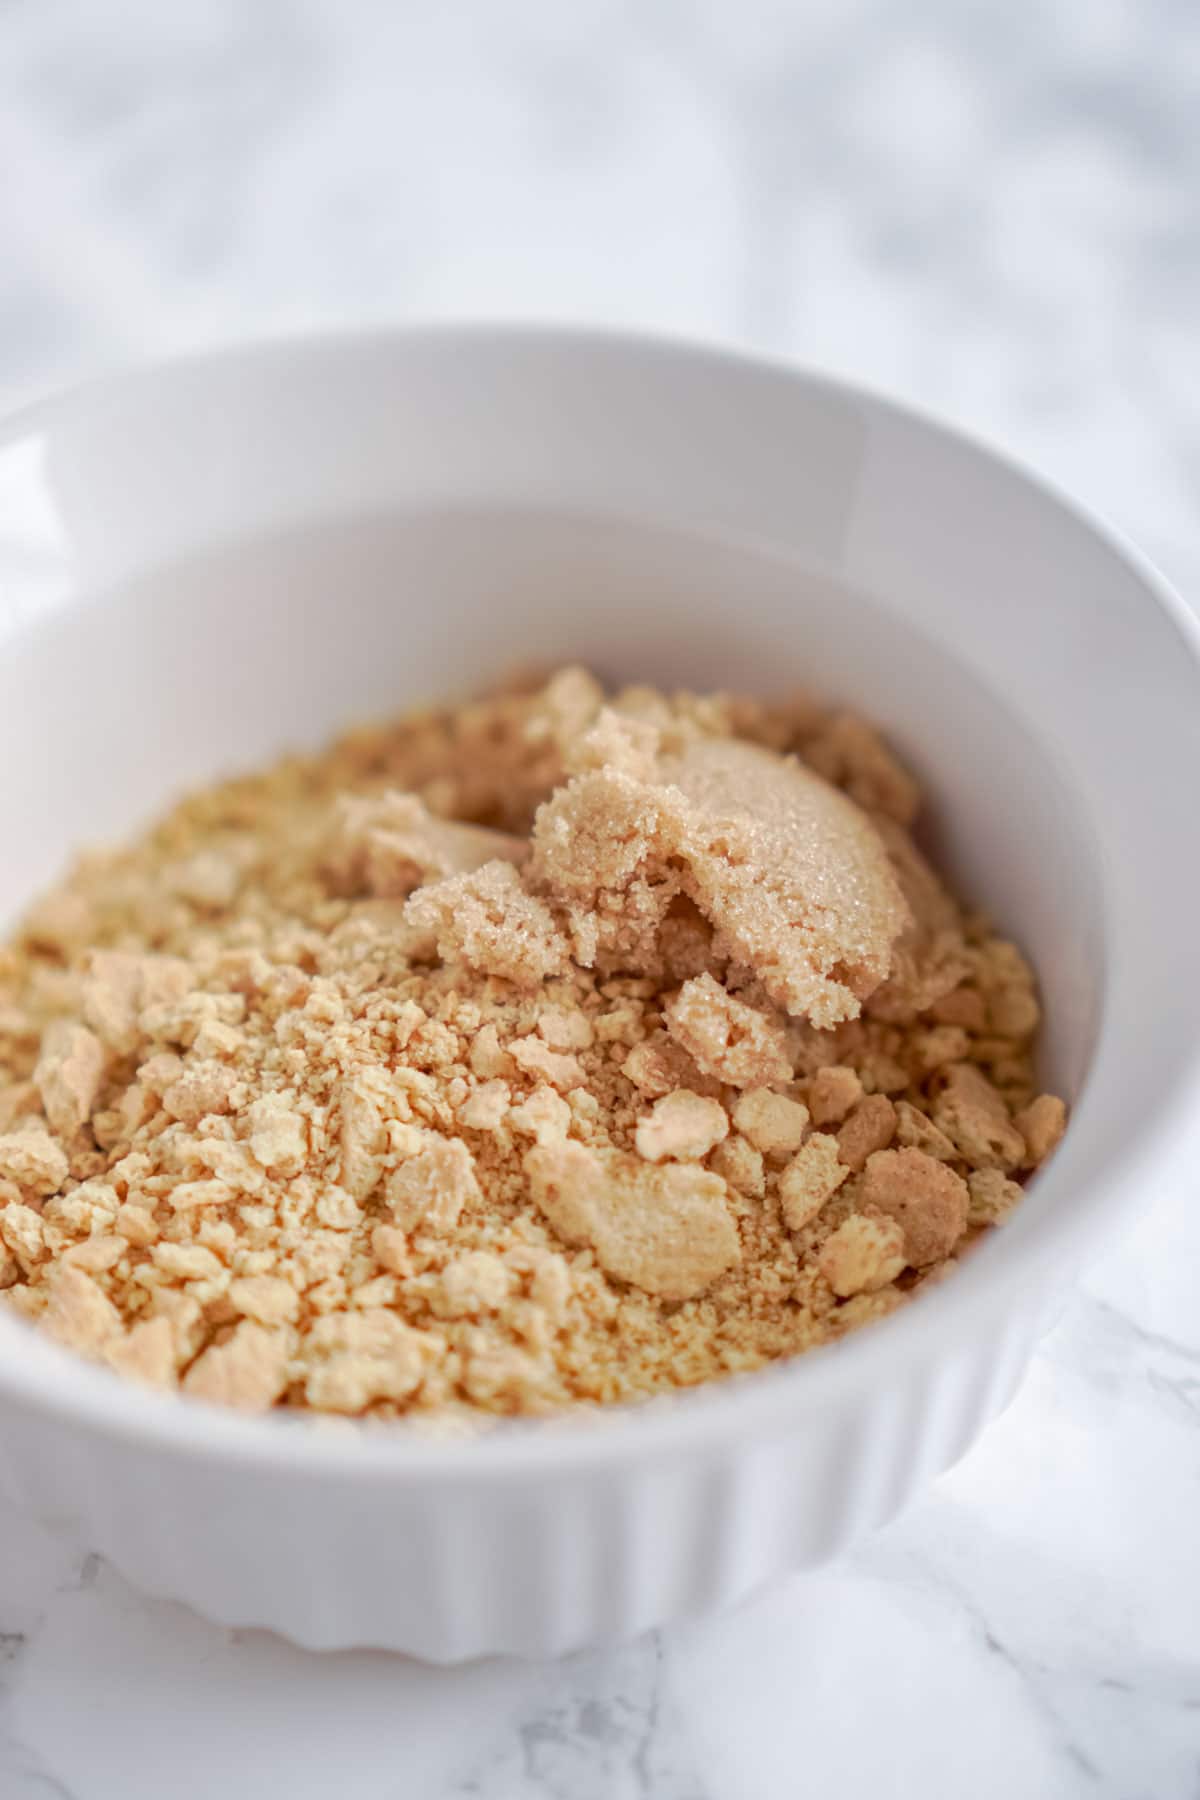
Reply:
x=540, y=1051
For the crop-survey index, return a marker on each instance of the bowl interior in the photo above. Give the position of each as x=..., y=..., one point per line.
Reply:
x=226, y=659
x=214, y=563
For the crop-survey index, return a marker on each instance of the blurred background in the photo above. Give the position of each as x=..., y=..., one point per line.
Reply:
x=990, y=208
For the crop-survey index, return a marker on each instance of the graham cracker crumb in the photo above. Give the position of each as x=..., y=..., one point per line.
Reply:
x=991, y=1196
x=78, y=1312
x=68, y=1074
x=681, y=1125
x=666, y=1229
x=473, y=1283
x=925, y=1197
x=485, y=1106
x=1041, y=1125
x=771, y=1122
x=545, y=1116
x=741, y=1165
x=812, y=1177
x=431, y=1188
x=146, y=1353
x=489, y=922
x=23, y=1233
x=116, y=986
x=278, y=1135
x=726, y=1039
x=267, y=1298
x=915, y=1131
x=658, y=1066
x=929, y=958
x=248, y=1370
x=615, y=741
x=973, y=1115
x=832, y=1093
x=32, y=1159
x=962, y=1006
x=541, y=1051
x=537, y=1059
x=870, y=1127
x=862, y=1255
x=389, y=844
x=847, y=751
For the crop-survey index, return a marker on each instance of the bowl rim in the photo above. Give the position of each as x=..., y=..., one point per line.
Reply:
x=38, y=1376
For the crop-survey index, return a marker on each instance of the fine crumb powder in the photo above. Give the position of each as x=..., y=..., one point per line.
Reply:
x=547, y=1050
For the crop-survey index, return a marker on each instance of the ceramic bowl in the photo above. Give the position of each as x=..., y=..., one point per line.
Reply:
x=205, y=563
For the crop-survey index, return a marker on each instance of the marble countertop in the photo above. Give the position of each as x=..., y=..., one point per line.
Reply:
x=992, y=210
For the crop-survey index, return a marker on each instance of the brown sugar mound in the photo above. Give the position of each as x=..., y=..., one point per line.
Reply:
x=547, y=1050
x=791, y=877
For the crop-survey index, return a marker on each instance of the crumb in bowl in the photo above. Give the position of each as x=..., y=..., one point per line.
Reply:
x=538, y=1052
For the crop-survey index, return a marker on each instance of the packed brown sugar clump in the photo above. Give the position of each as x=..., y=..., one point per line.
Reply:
x=546, y=1050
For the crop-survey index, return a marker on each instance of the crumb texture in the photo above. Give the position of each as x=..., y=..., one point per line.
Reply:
x=551, y=1049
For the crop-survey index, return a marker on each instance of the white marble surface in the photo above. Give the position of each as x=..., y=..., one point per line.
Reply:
x=990, y=208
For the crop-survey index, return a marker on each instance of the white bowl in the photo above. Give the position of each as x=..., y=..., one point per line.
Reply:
x=211, y=561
